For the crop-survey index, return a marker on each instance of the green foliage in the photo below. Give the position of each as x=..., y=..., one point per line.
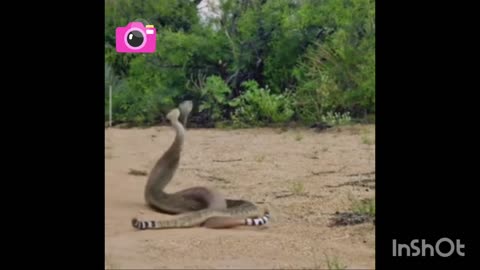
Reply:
x=110, y=78
x=365, y=207
x=338, y=74
x=336, y=118
x=258, y=106
x=334, y=263
x=214, y=97
x=259, y=62
x=145, y=95
x=297, y=188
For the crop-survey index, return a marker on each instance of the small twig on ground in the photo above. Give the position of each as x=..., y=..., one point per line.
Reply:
x=360, y=183
x=214, y=178
x=283, y=195
x=323, y=172
x=328, y=172
x=137, y=172
x=227, y=160
x=357, y=174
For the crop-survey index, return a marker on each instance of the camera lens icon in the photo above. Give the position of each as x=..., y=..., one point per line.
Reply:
x=135, y=38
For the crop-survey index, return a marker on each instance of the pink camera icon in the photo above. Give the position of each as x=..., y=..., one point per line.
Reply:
x=135, y=38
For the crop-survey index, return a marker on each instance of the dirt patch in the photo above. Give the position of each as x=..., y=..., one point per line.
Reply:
x=349, y=218
x=304, y=177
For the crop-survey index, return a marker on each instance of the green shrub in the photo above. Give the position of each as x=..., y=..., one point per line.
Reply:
x=336, y=118
x=214, y=97
x=258, y=106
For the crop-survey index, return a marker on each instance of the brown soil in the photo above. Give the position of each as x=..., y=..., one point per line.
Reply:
x=303, y=176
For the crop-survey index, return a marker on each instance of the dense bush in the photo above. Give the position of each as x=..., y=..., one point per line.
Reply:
x=214, y=98
x=258, y=62
x=258, y=106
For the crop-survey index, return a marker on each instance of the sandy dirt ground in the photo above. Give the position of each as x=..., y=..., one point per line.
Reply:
x=302, y=176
